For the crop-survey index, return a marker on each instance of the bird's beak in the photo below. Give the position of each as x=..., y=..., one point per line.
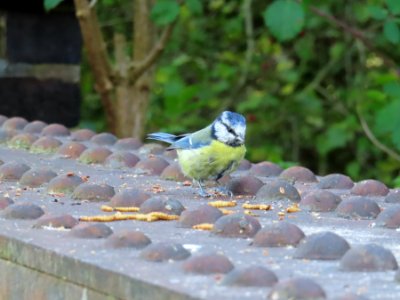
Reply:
x=239, y=140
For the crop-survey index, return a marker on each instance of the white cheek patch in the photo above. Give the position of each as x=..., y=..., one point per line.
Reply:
x=241, y=130
x=221, y=132
x=218, y=127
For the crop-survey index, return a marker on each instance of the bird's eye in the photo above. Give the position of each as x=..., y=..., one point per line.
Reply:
x=230, y=130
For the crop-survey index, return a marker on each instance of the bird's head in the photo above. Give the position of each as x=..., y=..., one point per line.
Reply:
x=230, y=128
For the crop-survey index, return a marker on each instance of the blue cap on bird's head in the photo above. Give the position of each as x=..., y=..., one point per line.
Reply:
x=232, y=118
x=230, y=128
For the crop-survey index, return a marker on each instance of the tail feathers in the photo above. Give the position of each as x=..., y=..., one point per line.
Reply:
x=164, y=137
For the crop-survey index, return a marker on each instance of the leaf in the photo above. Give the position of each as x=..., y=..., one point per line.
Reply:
x=109, y=2
x=306, y=3
x=394, y=6
x=375, y=95
x=335, y=137
x=178, y=97
x=386, y=119
x=392, y=89
x=164, y=12
x=254, y=101
x=391, y=31
x=304, y=47
x=361, y=12
x=396, y=137
x=51, y=4
x=353, y=169
x=377, y=12
x=337, y=50
x=195, y=6
x=284, y=18
x=396, y=182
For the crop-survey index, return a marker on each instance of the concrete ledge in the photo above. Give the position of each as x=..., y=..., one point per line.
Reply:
x=19, y=282
x=31, y=272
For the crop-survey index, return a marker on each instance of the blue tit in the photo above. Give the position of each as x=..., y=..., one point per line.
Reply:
x=211, y=152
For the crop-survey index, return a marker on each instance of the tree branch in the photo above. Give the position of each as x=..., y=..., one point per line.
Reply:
x=138, y=68
x=356, y=33
x=121, y=58
x=97, y=56
x=374, y=140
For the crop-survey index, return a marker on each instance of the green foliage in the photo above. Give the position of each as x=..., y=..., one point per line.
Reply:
x=165, y=12
x=387, y=121
x=285, y=19
x=51, y=4
x=299, y=92
x=336, y=137
x=391, y=31
x=388, y=14
x=394, y=6
x=377, y=12
x=195, y=6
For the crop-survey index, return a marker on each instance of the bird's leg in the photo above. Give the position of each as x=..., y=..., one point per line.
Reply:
x=223, y=189
x=202, y=192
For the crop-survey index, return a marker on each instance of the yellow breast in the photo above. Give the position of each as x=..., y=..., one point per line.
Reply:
x=210, y=162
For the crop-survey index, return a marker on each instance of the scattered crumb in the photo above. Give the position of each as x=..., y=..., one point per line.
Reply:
x=118, y=216
x=221, y=203
x=107, y=208
x=60, y=195
x=203, y=226
x=55, y=228
x=157, y=188
x=227, y=211
x=250, y=213
x=186, y=183
x=257, y=206
x=294, y=208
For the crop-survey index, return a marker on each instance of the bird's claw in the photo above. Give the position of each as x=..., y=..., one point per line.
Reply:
x=204, y=194
x=223, y=190
x=220, y=190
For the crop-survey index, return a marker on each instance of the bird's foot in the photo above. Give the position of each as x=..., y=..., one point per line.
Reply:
x=222, y=190
x=203, y=193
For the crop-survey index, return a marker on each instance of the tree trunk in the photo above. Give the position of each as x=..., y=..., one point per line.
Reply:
x=143, y=43
x=141, y=96
x=125, y=87
x=97, y=57
x=122, y=94
x=133, y=96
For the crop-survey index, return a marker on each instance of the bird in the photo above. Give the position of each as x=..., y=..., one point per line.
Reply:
x=209, y=153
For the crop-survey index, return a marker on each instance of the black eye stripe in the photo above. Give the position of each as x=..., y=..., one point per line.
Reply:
x=230, y=130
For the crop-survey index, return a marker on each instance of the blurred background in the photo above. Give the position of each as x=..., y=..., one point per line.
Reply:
x=318, y=81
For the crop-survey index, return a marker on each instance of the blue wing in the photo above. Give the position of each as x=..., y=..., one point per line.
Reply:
x=163, y=137
x=194, y=140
